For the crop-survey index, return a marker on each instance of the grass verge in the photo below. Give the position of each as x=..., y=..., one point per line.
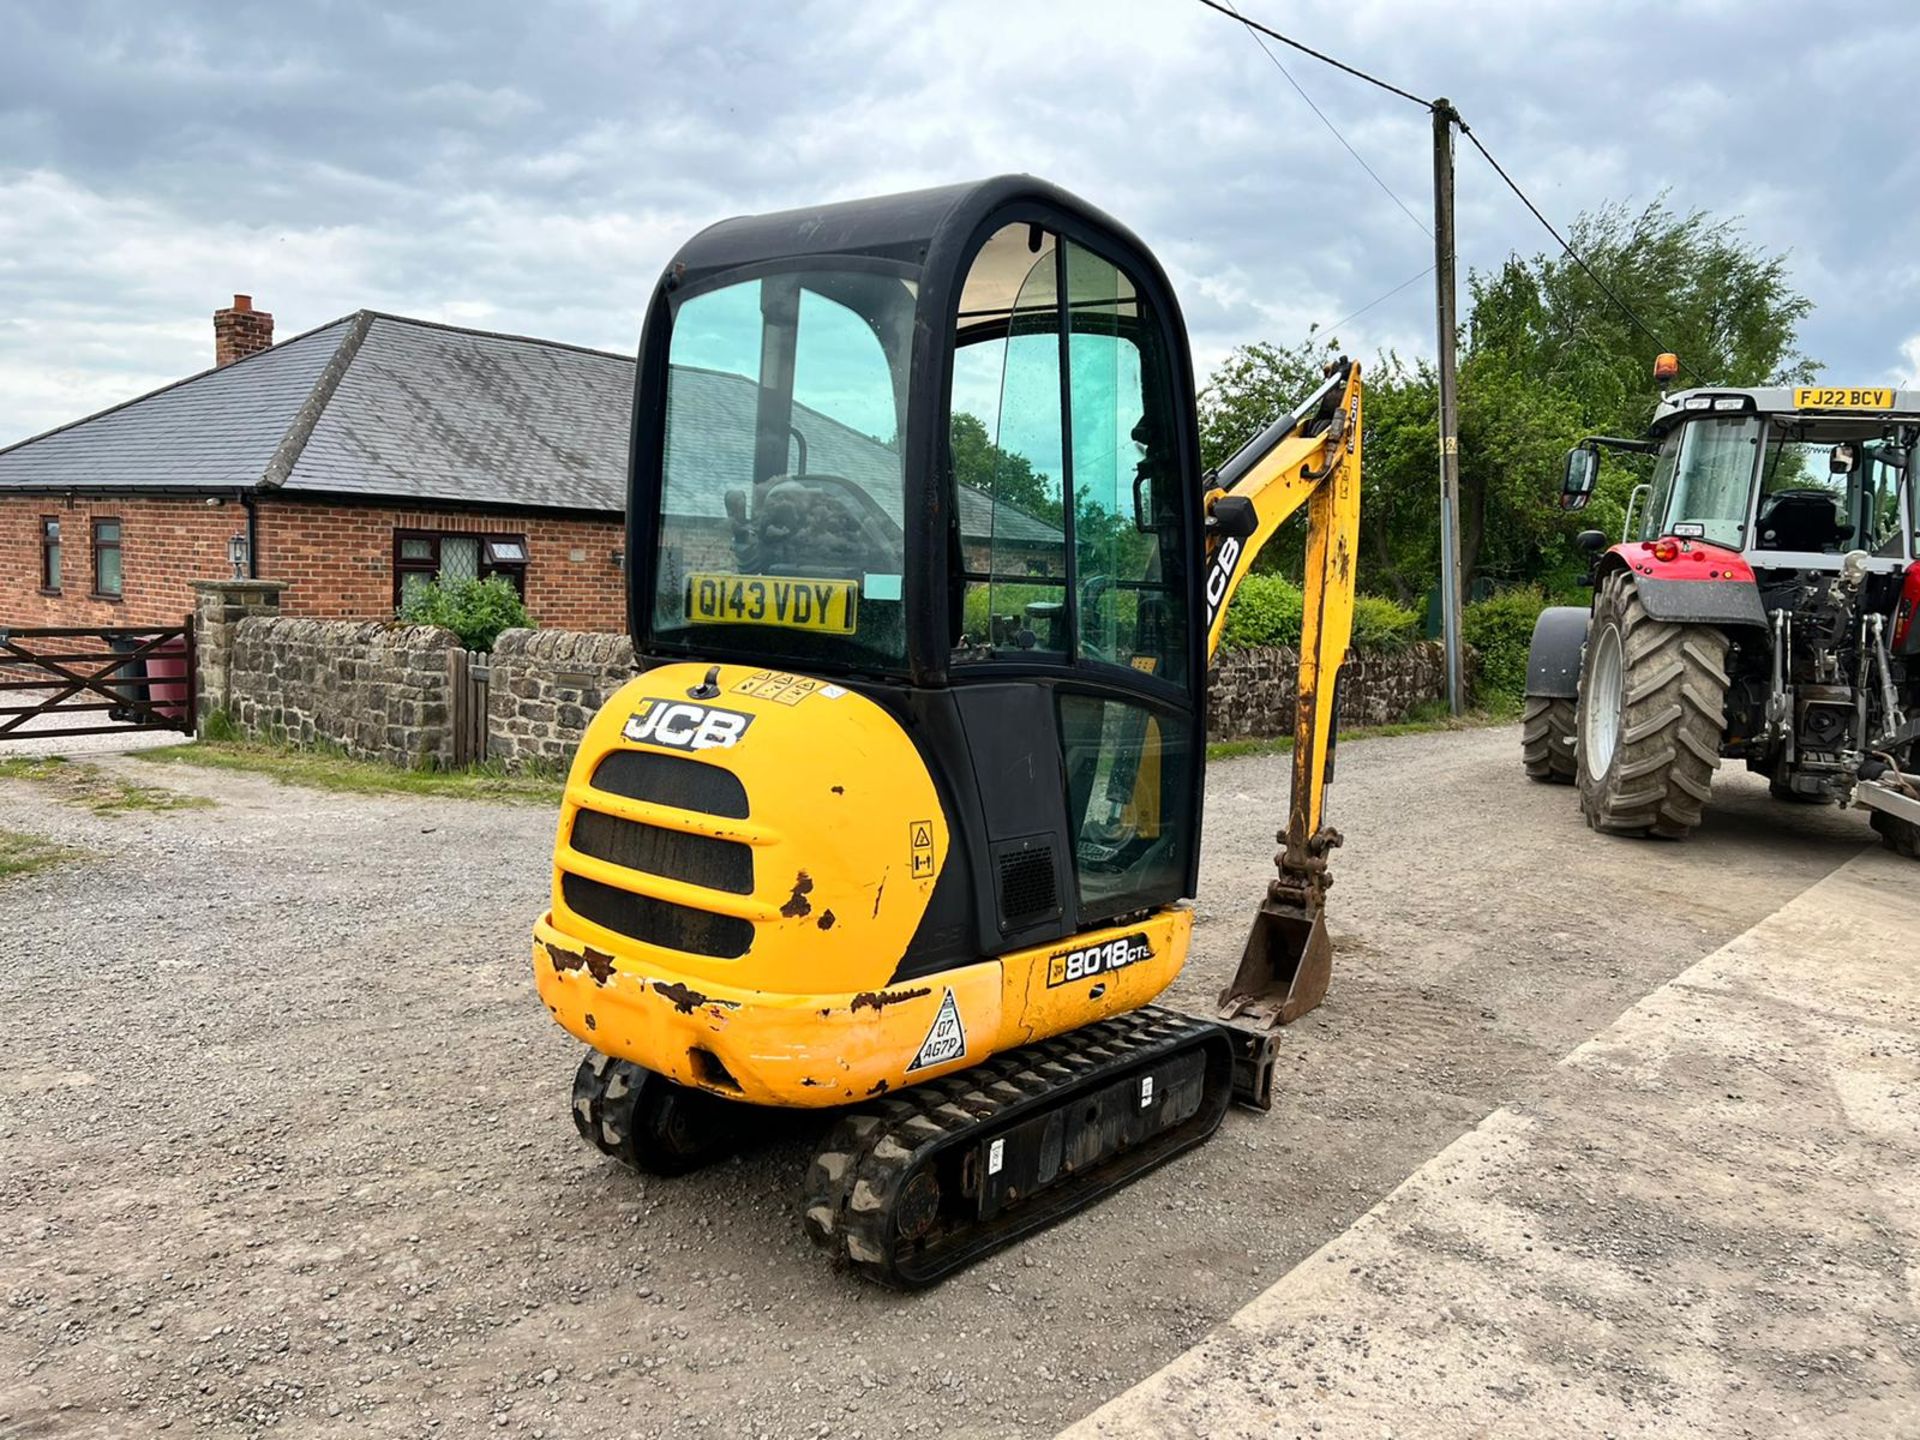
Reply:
x=329, y=770
x=22, y=854
x=1425, y=720
x=90, y=788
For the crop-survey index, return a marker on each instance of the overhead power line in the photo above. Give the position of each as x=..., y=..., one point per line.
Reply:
x=1579, y=259
x=1410, y=280
x=1255, y=32
x=1319, y=55
x=1255, y=28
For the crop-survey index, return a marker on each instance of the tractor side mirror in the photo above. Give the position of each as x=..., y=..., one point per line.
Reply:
x=1591, y=541
x=1576, y=483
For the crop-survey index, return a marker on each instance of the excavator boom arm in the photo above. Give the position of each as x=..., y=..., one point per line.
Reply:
x=1310, y=458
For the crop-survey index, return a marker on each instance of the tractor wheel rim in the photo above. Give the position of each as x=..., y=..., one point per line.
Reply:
x=1605, y=703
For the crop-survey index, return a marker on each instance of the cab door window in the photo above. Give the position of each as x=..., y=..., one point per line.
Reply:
x=1128, y=522
x=1069, y=521
x=1007, y=452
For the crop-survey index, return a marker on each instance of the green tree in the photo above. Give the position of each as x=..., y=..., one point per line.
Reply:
x=1006, y=475
x=1254, y=386
x=1546, y=358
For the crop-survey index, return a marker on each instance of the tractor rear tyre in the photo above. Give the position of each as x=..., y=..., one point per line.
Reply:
x=1546, y=739
x=1652, y=710
x=1900, y=836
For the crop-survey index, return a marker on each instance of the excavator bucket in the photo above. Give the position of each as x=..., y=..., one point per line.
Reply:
x=1288, y=961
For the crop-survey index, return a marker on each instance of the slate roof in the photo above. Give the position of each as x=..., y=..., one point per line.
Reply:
x=394, y=408
x=215, y=431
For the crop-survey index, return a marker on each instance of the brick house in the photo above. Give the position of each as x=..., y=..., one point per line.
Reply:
x=356, y=460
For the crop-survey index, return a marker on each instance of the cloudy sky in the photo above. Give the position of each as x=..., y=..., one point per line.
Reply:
x=529, y=167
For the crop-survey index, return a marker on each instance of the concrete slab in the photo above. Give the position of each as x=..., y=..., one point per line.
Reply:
x=1705, y=1221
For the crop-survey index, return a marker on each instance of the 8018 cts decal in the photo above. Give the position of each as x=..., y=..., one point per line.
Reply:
x=1091, y=960
x=680, y=726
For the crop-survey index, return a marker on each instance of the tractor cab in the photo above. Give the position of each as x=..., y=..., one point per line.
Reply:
x=939, y=449
x=1794, y=479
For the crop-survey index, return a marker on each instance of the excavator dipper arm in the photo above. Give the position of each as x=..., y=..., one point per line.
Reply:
x=1311, y=458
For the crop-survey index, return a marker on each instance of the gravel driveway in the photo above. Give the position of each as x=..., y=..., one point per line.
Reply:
x=284, y=1138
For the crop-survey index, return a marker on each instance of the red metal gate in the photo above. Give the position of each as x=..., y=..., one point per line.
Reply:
x=95, y=680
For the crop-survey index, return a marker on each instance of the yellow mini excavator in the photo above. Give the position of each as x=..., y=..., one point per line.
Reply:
x=901, y=817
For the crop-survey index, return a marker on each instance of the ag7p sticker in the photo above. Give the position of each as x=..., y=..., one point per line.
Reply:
x=946, y=1041
x=677, y=725
x=1093, y=960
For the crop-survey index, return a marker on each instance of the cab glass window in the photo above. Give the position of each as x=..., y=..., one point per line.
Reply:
x=1007, y=451
x=1069, y=522
x=1882, y=498
x=782, y=497
x=1711, y=480
x=1811, y=493
x=1127, y=516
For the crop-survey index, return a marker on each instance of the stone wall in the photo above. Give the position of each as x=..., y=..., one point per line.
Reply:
x=218, y=608
x=380, y=690
x=544, y=686
x=1252, y=692
x=376, y=689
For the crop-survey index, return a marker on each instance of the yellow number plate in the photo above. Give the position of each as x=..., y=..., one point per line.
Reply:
x=831, y=606
x=1841, y=399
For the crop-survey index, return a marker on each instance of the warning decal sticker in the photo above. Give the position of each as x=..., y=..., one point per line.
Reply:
x=946, y=1041
x=920, y=841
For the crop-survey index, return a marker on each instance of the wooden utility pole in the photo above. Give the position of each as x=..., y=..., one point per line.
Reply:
x=1443, y=120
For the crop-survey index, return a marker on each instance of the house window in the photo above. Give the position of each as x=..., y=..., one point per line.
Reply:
x=106, y=558
x=50, y=554
x=423, y=556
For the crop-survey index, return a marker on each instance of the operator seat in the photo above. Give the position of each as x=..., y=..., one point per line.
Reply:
x=1805, y=520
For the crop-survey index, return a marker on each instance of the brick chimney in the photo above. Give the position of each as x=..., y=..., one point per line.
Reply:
x=240, y=331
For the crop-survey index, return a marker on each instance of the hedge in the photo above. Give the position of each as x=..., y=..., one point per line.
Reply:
x=1268, y=609
x=1500, y=628
x=475, y=610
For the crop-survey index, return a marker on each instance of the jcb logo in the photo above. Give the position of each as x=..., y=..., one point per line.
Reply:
x=1220, y=575
x=679, y=726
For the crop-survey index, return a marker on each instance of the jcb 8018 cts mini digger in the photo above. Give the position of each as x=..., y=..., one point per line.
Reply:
x=901, y=818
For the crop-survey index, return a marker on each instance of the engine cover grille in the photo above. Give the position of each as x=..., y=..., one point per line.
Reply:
x=664, y=779
x=657, y=922
x=697, y=859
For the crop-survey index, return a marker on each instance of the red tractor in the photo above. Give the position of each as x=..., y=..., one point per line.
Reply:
x=1760, y=606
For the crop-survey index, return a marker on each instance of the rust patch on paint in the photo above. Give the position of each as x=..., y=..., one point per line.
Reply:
x=879, y=1087
x=596, y=963
x=839, y=789
x=685, y=998
x=588, y=1017
x=826, y=920
x=880, y=999
x=797, y=903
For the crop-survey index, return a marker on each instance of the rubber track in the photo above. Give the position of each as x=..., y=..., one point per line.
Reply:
x=1670, y=725
x=1546, y=739
x=599, y=1085
x=863, y=1162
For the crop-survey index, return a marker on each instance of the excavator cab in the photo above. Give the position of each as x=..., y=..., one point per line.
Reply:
x=938, y=449
x=902, y=813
